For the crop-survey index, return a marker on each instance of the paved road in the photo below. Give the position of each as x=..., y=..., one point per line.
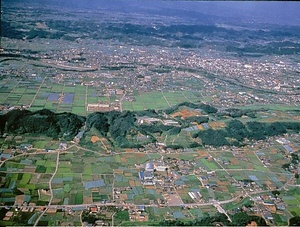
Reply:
x=50, y=188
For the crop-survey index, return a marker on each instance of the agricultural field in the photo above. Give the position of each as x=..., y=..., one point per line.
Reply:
x=94, y=172
x=39, y=92
x=158, y=100
x=110, y=120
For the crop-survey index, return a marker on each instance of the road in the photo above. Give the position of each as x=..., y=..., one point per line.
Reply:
x=100, y=204
x=216, y=203
x=165, y=98
x=220, y=209
x=37, y=91
x=50, y=188
x=121, y=106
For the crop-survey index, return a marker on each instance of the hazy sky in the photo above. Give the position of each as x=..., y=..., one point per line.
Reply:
x=244, y=11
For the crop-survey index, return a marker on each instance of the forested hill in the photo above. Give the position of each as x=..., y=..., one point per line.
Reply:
x=43, y=122
x=136, y=129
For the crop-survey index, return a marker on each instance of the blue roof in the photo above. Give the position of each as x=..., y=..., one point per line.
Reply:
x=68, y=98
x=190, y=129
x=205, y=125
x=141, y=207
x=6, y=156
x=78, y=208
x=148, y=174
x=80, y=134
x=149, y=166
x=141, y=175
x=253, y=177
x=53, y=97
x=94, y=184
x=288, y=148
x=178, y=214
x=179, y=182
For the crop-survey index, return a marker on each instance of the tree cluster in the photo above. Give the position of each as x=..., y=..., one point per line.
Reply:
x=238, y=219
x=205, y=107
x=294, y=221
x=121, y=130
x=119, y=127
x=236, y=132
x=62, y=125
x=235, y=113
x=292, y=164
x=117, y=124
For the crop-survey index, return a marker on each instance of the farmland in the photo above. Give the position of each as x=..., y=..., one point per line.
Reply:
x=175, y=119
x=81, y=177
x=62, y=174
x=38, y=93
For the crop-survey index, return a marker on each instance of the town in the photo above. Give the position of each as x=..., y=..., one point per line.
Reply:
x=178, y=118
x=113, y=81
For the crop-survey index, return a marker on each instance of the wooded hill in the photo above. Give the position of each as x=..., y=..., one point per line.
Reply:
x=44, y=122
x=121, y=129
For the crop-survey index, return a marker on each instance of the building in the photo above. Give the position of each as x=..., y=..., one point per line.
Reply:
x=149, y=167
x=148, y=175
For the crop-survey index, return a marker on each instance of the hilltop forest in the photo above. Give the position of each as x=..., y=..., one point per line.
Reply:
x=122, y=128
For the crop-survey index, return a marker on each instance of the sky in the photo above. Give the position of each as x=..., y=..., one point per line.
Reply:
x=274, y=12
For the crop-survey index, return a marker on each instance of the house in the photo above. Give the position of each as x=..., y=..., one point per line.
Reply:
x=268, y=215
x=141, y=175
x=149, y=167
x=94, y=209
x=148, y=175
x=170, y=122
x=62, y=146
x=5, y=156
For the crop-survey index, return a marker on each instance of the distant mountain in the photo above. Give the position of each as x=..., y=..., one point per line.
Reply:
x=235, y=27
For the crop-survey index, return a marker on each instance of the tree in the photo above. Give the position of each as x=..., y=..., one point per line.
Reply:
x=276, y=193
x=198, y=120
x=294, y=221
x=242, y=219
x=286, y=166
x=174, y=131
x=213, y=137
x=257, y=130
x=237, y=130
